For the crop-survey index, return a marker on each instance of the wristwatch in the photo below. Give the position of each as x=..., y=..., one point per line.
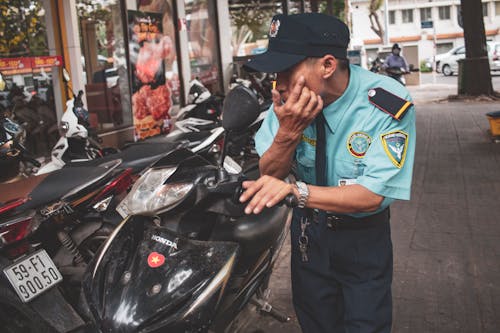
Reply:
x=303, y=193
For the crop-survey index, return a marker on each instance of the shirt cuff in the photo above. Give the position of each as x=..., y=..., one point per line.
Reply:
x=384, y=190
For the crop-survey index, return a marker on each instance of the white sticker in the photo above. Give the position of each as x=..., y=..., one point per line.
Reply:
x=345, y=182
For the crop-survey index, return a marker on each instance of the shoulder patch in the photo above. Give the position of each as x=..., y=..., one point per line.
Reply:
x=391, y=104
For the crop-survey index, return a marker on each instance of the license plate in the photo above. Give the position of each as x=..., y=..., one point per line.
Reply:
x=33, y=275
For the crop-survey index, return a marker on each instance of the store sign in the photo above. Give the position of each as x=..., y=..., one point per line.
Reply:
x=49, y=61
x=14, y=63
x=29, y=63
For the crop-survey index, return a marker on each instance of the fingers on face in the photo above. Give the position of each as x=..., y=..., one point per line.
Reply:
x=276, y=98
x=297, y=90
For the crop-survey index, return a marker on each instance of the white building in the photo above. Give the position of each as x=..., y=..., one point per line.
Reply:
x=404, y=26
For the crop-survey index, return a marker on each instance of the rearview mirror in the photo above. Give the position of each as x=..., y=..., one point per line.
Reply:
x=240, y=109
x=2, y=83
x=65, y=74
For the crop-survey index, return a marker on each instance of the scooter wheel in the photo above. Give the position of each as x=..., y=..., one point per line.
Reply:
x=19, y=317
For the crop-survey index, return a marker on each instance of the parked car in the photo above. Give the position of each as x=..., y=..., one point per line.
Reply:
x=447, y=64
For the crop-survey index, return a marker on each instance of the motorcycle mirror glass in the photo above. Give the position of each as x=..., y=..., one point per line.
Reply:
x=2, y=83
x=65, y=74
x=240, y=109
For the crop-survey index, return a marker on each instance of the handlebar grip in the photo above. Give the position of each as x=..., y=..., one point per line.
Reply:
x=32, y=161
x=290, y=201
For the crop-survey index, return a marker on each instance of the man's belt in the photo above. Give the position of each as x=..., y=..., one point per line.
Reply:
x=344, y=222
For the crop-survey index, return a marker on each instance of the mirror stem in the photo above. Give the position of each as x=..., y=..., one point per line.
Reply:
x=222, y=171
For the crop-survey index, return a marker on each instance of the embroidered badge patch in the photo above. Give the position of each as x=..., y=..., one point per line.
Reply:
x=156, y=259
x=395, y=144
x=358, y=143
x=275, y=26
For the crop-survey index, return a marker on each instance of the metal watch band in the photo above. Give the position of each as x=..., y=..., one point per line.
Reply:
x=303, y=193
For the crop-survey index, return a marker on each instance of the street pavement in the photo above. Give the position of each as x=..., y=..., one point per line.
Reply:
x=446, y=238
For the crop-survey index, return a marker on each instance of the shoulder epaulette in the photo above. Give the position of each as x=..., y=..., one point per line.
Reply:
x=391, y=104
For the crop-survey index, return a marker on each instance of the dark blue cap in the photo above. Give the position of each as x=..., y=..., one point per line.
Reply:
x=292, y=38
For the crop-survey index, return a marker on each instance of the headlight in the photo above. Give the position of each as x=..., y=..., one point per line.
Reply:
x=148, y=195
x=63, y=128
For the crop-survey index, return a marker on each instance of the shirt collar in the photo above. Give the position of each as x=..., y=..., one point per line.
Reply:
x=336, y=110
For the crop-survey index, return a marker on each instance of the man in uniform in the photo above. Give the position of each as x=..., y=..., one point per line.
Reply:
x=351, y=135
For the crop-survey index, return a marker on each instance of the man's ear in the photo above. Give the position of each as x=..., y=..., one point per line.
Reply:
x=328, y=65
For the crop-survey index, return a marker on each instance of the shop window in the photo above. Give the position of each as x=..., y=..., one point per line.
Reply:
x=407, y=15
x=27, y=67
x=201, y=21
x=104, y=63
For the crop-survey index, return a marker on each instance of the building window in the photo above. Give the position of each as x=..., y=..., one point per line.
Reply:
x=28, y=66
x=485, y=9
x=444, y=12
x=392, y=17
x=425, y=14
x=407, y=15
x=497, y=8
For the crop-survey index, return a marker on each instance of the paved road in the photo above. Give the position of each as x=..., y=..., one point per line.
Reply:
x=427, y=78
x=446, y=239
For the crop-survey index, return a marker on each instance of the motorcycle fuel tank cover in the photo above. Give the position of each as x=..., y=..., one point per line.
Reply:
x=131, y=291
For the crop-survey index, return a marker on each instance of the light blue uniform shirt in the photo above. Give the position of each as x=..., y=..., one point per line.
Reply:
x=365, y=145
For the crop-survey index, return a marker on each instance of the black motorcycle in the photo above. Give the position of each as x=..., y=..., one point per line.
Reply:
x=186, y=258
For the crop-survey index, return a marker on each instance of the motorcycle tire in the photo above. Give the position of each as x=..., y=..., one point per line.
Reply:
x=17, y=317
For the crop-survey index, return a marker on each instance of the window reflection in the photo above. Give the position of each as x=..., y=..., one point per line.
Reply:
x=203, y=43
x=104, y=63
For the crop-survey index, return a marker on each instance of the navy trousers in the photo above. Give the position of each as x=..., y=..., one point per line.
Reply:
x=345, y=287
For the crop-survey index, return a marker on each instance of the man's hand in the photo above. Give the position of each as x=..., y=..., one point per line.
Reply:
x=298, y=111
x=266, y=191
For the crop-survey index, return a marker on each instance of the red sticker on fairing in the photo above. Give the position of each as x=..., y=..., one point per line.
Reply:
x=156, y=259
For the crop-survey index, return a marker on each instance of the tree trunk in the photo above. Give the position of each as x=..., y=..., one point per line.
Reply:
x=474, y=76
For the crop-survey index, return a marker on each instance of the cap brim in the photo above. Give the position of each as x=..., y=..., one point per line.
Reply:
x=273, y=62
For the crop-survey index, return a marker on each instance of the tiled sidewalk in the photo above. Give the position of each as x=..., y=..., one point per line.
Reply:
x=446, y=239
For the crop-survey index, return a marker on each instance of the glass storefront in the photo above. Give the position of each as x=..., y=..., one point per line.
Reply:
x=203, y=42
x=27, y=67
x=104, y=64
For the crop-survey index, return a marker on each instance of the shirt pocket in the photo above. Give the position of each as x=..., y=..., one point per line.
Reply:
x=346, y=168
x=305, y=156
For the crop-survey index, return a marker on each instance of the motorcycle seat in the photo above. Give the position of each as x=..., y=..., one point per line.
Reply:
x=189, y=136
x=55, y=185
x=137, y=156
x=20, y=188
x=253, y=233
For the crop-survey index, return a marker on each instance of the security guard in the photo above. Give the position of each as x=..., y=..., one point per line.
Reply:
x=351, y=135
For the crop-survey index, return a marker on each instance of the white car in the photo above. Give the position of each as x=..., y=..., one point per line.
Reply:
x=447, y=64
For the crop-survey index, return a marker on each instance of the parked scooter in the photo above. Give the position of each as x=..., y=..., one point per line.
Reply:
x=397, y=73
x=201, y=104
x=75, y=144
x=186, y=258
x=51, y=225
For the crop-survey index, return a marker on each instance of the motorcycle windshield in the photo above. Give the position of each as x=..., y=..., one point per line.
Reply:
x=148, y=278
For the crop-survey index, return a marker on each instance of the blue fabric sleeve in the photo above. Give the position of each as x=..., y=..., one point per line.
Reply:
x=265, y=135
x=383, y=174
